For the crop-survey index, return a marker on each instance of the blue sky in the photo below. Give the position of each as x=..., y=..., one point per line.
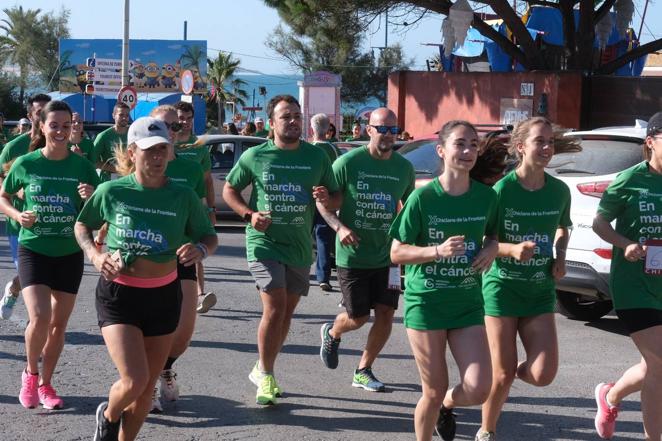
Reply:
x=242, y=27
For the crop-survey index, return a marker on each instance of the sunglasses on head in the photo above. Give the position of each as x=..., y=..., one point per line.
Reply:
x=175, y=126
x=383, y=130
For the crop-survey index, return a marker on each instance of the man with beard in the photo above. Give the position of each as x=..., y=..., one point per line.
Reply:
x=18, y=146
x=104, y=143
x=373, y=180
x=288, y=175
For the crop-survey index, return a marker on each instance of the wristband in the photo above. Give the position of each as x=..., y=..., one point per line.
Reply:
x=203, y=249
x=211, y=209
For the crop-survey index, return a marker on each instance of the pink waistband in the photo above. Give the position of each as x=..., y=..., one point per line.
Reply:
x=140, y=282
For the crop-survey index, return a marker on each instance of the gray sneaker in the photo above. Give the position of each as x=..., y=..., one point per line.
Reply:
x=7, y=302
x=207, y=301
x=365, y=379
x=329, y=347
x=482, y=435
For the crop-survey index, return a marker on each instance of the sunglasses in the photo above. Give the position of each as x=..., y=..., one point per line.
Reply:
x=383, y=130
x=175, y=126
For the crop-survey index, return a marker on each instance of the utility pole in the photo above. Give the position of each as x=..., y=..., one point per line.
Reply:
x=185, y=27
x=125, y=46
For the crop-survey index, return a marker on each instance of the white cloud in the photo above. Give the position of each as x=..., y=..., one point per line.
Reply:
x=174, y=46
x=83, y=45
x=151, y=52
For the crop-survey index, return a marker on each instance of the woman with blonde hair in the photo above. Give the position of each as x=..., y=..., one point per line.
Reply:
x=154, y=224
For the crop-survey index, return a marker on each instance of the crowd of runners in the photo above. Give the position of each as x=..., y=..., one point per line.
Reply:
x=481, y=247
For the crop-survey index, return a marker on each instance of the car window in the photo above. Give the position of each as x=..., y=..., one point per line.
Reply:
x=424, y=157
x=222, y=155
x=247, y=144
x=598, y=157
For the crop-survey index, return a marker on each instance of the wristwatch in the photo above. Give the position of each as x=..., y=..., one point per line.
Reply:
x=248, y=216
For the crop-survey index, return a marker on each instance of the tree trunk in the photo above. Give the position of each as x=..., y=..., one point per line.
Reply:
x=569, y=42
x=585, y=36
x=221, y=114
x=503, y=9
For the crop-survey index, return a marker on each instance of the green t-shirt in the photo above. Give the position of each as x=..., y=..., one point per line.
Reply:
x=13, y=149
x=634, y=199
x=445, y=294
x=199, y=154
x=146, y=222
x=331, y=150
x=188, y=173
x=87, y=147
x=283, y=183
x=262, y=133
x=371, y=191
x=104, y=149
x=513, y=288
x=5, y=136
x=51, y=191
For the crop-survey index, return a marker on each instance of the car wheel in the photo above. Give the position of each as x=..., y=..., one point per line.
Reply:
x=578, y=307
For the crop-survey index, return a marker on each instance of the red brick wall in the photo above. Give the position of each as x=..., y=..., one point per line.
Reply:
x=424, y=101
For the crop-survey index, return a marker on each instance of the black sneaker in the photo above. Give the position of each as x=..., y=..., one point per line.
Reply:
x=446, y=425
x=106, y=431
x=325, y=286
x=329, y=347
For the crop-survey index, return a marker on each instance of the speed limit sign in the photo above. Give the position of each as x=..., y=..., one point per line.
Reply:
x=128, y=96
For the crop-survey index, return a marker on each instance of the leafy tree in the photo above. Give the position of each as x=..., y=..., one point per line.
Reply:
x=31, y=43
x=332, y=43
x=9, y=102
x=227, y=87
x=578, y=52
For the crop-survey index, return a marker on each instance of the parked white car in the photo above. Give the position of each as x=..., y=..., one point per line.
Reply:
x=584, y=293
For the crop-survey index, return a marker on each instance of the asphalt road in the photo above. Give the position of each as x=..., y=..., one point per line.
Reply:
x=218, y=401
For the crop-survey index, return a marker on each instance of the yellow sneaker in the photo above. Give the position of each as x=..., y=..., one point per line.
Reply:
x=265, y=391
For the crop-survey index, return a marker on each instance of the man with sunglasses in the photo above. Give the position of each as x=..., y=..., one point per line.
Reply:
x=187, y=146
x=373, y=180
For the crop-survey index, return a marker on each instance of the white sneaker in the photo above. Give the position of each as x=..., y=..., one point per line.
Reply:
x=7, y=303
x=207, y=301
x=156, y=402
x=169, y=386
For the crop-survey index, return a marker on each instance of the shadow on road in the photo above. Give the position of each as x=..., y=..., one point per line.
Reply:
x=609, y=324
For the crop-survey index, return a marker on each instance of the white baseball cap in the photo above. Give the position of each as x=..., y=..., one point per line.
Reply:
x=146, y=132
x=259, y=119
x=24, y=122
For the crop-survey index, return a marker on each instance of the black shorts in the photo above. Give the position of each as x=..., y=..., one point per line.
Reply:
x=154, y=310
x=362, y=289
x=639, y=319
x=61, y=273
x=186, y=272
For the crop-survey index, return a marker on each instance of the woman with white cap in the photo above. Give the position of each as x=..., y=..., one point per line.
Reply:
x=138, y=295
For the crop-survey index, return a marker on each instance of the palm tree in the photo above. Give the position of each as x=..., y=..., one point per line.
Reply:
x=226, y=87
x=192, y=57
x=18, y=44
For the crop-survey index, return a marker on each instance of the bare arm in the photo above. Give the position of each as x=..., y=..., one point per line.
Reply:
x=631, y=249
x=190, y=254
x=402, y=253
x=103, y=262
x=522, y=251
x=24, y=218
x=210, y=197
x=260, y=220
x=345, y=234
x=561, y=244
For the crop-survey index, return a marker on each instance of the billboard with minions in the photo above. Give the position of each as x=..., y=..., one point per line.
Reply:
x=155, y=65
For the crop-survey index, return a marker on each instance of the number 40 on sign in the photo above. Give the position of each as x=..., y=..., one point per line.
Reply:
x=128, y=96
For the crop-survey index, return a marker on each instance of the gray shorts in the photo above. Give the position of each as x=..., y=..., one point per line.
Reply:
x=271, y=274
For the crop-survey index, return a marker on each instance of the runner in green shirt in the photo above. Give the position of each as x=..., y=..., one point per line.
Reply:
x=54, y=182
x=519, y=290
x=12, y=150
x=633, y=201
x=373, y=180
x=78, y=142
x=154, y=224
x=105, y=142
x=187, y=146
x=288, y=176
x=260, y=131
x=190, y=174
x=445, y=234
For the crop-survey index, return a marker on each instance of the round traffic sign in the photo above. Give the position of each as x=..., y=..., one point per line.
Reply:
x=128, y=96
x=186, y=82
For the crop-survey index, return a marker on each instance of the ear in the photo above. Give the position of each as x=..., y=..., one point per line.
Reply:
x=440, y=150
